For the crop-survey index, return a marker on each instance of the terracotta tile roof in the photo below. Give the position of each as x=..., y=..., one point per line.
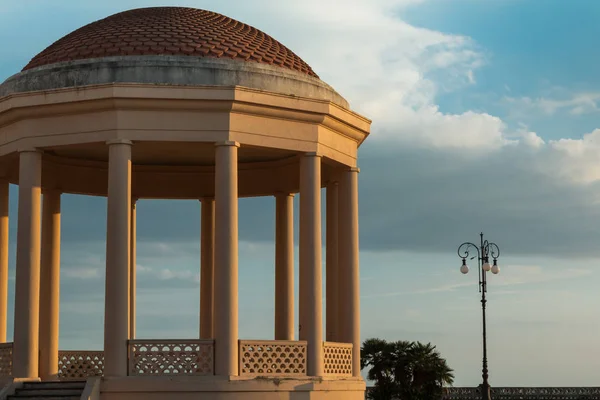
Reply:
x=170, y=31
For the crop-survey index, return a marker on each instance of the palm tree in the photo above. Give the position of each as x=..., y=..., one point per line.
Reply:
x=430, y=372
x=379, y=355
x=405, y=370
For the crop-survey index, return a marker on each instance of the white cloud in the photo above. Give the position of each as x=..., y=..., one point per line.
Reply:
x=531, y=139
x=395, y=74
x=510, y=276
x=579, y=103
x=83, y=273
x=142, y=268
x=577, y=160
x=169, y=274
x=528, y=274
x=572, y=103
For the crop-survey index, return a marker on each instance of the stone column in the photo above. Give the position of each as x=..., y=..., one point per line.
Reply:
x=116, y=319
x=332, y=279
x=226, y=259
x=284, y=266
x=27, y=285
x=50, y=285
x=311, y=312
x=207, y=268
x=133, y=270
x=349, y=264
x=3, y=258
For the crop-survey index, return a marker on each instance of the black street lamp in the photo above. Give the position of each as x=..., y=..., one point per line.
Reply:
x=485, y=250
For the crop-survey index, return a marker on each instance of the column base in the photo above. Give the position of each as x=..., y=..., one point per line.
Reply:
x=232, y=388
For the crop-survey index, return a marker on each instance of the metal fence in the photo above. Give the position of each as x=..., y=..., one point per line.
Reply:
x=526, y=393
x=523, y=393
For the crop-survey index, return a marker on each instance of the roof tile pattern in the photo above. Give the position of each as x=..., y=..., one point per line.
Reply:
x=170, y=31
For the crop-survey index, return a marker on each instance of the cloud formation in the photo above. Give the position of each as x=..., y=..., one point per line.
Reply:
x=571, y=103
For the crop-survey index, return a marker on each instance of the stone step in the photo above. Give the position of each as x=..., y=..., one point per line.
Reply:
x=48, y=392
x=55, y=390
x=54, y=385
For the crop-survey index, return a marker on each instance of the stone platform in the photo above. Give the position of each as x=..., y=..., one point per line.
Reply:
x=223, y=388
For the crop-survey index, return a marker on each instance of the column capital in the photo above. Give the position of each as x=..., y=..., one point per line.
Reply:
x=119, y=141
x=30, y=150
x=206, y=198
x=332, y=182
x=312, y=154
x=134, y=201
x=352, y=169
x=283, y=194
x=52, y=191
x=227, y=143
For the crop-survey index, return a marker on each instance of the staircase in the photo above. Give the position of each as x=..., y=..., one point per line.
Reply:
x=68, y=390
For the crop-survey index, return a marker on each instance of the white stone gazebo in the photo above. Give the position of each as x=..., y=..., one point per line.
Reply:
x=180, y=103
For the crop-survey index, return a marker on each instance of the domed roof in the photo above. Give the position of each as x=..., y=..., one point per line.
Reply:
x=170, y=31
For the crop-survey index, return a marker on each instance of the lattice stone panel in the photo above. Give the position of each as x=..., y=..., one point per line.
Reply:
x=77, y=365
x=272, y=358
x=337, y=358
x=6, y=357
x=171, y=357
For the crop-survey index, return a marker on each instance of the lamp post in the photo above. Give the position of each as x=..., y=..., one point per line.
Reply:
x=485, y=250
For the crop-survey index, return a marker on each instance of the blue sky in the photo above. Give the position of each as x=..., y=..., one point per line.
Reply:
x=484, y=116
x=534, y=48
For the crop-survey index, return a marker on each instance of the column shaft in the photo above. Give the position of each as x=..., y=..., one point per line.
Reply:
x=27, y=285
x=133, y=271
x=4, y=190
x=311, y=313
x=349, y=265
x=226, y=259
x=332, y=279
x=50, y=285
x=116, y=320
x=207, y=268
x=284, y=267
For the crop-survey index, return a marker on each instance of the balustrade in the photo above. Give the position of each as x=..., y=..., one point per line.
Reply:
x=268, y=358
x=272, y=358
x=80, y=365
x=171, y=357
x=6, y=359
x=337, y=359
